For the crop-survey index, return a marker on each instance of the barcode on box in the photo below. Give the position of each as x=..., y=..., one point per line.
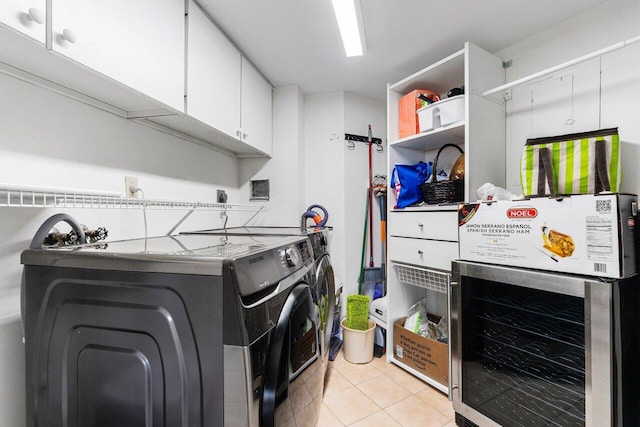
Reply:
x=599, y=267
x=603, y=206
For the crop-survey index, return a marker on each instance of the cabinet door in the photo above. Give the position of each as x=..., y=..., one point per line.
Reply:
x=26, y=16
x=138, y=43
x=213, y=77
x=257, y=109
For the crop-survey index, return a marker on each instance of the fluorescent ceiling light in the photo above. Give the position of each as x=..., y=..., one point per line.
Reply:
x=347, y=18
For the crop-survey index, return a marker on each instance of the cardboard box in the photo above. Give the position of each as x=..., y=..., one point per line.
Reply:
x=583, y=234
x=425, y=355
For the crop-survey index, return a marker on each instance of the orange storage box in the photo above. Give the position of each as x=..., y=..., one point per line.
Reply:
x=407, y=115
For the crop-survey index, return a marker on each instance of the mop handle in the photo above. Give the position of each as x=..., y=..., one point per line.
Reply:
x=371, y=201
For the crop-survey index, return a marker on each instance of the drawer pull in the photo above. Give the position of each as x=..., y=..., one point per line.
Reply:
x=420, y=225
x=420, y=252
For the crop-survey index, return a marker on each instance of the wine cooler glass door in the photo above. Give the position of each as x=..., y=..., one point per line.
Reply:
x=530, y=348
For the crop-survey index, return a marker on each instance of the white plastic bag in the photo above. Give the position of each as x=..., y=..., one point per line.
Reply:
x=489, y=191
x=417, y=321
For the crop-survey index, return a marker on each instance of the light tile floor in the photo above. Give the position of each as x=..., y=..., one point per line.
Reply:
x=380, y=394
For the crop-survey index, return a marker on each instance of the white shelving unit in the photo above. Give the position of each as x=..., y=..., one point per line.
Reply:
x=423, y=240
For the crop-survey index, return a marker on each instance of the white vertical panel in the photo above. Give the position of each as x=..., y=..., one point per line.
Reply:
x=12, y=380
x=256, y=109
x=620, y=95
x=484, y=143
x=213, y=76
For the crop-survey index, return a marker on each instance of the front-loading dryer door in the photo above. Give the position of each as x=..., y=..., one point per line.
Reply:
x=293, y=375
x=326, y=288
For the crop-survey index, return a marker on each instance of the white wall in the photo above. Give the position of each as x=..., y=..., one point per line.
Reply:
x=285, y=170
x=47, y=139
x=600, y=93
x=337, y=176
x=324, y=167
x=359, y=114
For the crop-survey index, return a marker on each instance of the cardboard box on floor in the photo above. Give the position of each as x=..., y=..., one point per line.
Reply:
x=425, y=355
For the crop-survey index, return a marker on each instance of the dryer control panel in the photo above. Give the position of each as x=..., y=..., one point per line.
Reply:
x=261, y=270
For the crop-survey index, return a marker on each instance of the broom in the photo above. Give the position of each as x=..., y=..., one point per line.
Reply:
x=372, y=275
x=380, y=191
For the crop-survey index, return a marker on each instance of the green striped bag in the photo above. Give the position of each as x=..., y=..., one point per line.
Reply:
x=579, y=163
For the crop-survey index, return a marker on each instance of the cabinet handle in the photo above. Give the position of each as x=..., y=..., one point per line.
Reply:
x=420, y=225
x=69, y=35
x=36, y=16
x=420, y=252
x=245, y=136
x=239, y=133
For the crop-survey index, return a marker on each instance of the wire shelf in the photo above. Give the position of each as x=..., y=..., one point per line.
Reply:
x=434, y=280
x=17, y=197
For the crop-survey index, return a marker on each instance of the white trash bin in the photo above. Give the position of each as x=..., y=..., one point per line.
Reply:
x=358, y=345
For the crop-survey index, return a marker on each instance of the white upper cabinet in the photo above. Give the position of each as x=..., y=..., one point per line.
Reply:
x=224, y=90
x=141, y=61
x=213, y=77
x=25, y=16
x=138, y=43
x=256, y=119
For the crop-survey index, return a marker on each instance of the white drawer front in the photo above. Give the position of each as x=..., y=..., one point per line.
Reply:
x=427, y=225
x=426, y=253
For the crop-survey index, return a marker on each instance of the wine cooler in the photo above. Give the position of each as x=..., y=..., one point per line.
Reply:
x=532, y=348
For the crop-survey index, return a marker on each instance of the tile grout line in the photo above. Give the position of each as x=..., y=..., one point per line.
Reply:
x=377, y=373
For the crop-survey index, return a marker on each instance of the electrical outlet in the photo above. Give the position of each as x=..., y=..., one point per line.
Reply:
x=129, y=183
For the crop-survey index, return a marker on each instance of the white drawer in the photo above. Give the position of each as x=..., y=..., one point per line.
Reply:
x=440, y=225
x=427, y=253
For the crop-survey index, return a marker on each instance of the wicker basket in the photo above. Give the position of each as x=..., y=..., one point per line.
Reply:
x=443, y=191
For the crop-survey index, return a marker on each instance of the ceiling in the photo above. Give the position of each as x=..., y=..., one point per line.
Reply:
x=297, y=42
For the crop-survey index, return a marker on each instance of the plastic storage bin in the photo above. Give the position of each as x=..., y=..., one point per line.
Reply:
x=407, y=112
x=441, y=113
